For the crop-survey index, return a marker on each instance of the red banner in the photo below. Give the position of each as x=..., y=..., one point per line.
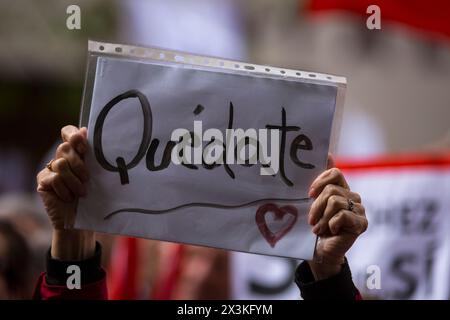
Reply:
x=430, y=16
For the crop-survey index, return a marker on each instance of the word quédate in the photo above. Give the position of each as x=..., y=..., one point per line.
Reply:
x=186, y=147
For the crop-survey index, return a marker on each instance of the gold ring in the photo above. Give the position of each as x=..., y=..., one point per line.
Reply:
x=49, y=165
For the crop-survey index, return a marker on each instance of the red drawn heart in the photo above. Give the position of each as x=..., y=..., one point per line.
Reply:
x=279, y=212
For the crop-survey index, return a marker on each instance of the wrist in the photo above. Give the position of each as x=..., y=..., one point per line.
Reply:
x=322, y=270
x=72, y=245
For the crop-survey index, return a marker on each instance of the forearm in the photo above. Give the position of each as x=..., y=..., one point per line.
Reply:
x=72, y=245
x=323, y=271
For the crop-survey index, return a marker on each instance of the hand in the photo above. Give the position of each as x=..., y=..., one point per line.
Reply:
x=334, y=220
x=60, y=185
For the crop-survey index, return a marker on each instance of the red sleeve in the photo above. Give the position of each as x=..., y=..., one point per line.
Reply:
x=91, y=291
x=52, y=283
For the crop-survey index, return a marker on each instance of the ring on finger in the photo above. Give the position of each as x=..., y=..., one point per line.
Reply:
x=351, y=205
x=49, y=165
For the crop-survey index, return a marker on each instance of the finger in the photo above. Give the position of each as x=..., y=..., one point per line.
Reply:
x=330, y=162
x=349, y=222
x=53, y=182
x=76, y=164
x=75, y=137
x=330, y=176
x=71, y=181
x=83, y=131
x=43, y=180
x=334, y=205
x=68, y=131
x=319, y=205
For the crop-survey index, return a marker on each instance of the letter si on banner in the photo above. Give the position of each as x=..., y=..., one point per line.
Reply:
x=405, y=253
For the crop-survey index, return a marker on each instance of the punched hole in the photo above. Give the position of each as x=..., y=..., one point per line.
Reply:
x=179, y=58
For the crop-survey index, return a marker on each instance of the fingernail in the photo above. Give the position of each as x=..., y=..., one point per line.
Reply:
x=84, y=132
x=311, y=192
x=316, y=229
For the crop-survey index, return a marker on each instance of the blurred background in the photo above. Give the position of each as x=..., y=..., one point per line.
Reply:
x=397, y=102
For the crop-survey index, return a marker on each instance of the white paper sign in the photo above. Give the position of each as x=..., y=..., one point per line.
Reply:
x=137, y=188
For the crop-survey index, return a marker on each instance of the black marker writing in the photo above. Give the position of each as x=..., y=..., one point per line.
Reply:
x=122, y=167
x=149, y=147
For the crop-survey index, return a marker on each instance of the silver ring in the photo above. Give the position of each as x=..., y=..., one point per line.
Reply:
x=351, y=205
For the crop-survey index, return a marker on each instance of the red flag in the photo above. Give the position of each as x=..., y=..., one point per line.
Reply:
x=432, y=17
x=122, y=275
x=167, y=279
x=434, y=160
